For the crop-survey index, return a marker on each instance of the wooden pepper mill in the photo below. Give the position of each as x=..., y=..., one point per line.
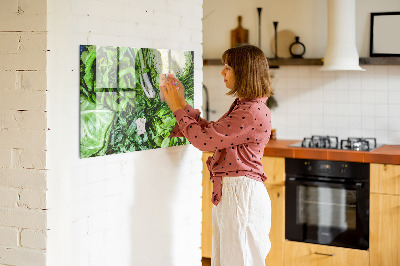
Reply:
x=239, y=35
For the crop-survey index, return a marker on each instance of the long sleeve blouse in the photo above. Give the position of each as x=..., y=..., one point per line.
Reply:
x=238, y=139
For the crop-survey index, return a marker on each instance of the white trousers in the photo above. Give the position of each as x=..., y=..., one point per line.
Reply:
x=241, y=223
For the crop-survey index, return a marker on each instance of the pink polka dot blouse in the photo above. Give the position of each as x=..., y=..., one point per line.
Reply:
x=238, y=139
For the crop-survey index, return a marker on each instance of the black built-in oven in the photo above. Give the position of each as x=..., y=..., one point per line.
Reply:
x=327, y=202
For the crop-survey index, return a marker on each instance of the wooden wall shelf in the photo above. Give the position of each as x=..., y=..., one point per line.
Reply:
x=273, y=63
x=380, y=61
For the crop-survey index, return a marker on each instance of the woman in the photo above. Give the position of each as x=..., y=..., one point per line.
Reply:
x=242, y=211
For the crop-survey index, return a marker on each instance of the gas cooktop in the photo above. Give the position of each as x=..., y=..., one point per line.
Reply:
x=332, y=142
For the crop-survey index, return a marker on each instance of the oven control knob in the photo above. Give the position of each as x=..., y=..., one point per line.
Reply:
x=308, y=166
x=343, y=168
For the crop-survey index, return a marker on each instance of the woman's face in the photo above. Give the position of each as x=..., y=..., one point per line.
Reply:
x=229, y=76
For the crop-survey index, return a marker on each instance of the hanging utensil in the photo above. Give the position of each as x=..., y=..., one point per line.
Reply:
x=259, y=26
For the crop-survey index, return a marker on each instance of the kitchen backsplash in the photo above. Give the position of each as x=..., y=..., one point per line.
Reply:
x=314, y=102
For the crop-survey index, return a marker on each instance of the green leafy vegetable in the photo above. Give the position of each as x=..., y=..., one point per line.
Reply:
x=112, y=100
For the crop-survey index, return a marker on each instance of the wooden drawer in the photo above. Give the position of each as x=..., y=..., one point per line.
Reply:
x=304, y=254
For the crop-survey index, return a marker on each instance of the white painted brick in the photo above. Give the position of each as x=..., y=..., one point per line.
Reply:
x=23, y=218
x=8, y=197
x=97, y=173
x=33, y=239
x=80, y=227
x=149, y=6
x=168, y=21
x=34, y=7
x=197, y=166
x=98, y=222
x=196, y=10
x=5, y=158
x=8, y=6
x=33, y=199
x=35, y=120
x=7, y=80
x=23, y=178
x=192, y=23
x=114, y=186
x=32, y=54
x=196, y=37
x=31, y=80
x=17, y=256
x=8, y=237
x=11, y=21
x=22, y=100
x=33, y=159
x=177, y=8
x=33, y=43
x=23, y=139
x=9, y=42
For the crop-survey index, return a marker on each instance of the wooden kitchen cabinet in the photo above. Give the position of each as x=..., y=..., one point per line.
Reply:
x=384, y=236
x=385, y=178
x=385, y=215
x=274, y=168
x=206, y=225
x=277, y=233
x=305, y=254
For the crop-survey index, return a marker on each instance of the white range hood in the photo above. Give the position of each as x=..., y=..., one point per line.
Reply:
x=341, y=51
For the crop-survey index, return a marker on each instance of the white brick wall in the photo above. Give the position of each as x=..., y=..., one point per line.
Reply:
x=23, y=132
x=139, y=208
x=101, y=207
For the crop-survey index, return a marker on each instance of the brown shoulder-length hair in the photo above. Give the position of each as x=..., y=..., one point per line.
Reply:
x=250, y=66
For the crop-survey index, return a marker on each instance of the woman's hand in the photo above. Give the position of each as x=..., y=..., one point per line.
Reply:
x=181, y=92
x=174, y=93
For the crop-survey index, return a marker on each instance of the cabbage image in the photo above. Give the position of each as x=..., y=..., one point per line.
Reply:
x=119, y=88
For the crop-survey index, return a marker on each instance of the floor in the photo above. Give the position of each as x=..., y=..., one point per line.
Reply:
x=206, y=261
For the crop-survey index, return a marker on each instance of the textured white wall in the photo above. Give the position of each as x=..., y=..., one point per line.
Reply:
x=139, y=208
x=22, y=133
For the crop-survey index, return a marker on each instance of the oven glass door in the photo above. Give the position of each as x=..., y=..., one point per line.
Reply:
x=326, y=213
x=325, y=207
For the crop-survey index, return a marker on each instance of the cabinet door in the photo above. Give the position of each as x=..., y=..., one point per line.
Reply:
x=384, y=230
x=385, y=178
x=304, y=254
x=274, y=168
x=277, y=233
x=206, y=232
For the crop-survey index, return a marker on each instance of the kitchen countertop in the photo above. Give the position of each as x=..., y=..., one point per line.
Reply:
x=389, y=154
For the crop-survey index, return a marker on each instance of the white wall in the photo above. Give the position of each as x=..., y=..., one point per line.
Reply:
x=139, y=208
x=311, y=102
x=23, y=133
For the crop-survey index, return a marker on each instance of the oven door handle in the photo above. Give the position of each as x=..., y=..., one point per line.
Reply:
x=357, y=185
